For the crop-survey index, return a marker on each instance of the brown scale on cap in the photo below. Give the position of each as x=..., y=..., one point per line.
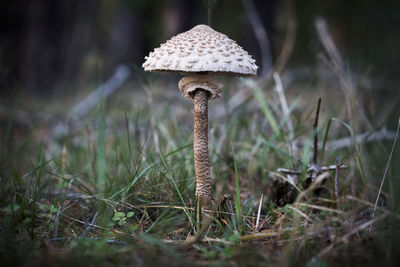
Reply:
x=203, y=44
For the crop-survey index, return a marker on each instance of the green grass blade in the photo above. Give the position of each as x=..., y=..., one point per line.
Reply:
x=237, y=195
x=171, y=176
x=263, y=105
x=274, y=147
x=176, y=187
x=129, y=140
x=356, y=148
x=141, y=174
x=145, y=170
x=100, y=159
x=177, y=150
x=328, y=126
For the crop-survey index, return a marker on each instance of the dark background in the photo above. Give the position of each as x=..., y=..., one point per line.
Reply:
x=49, y=46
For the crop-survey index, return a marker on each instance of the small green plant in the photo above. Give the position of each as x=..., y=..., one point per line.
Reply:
x=47, y=210
x=208, y=253
x=120, y=217
x=12, y=208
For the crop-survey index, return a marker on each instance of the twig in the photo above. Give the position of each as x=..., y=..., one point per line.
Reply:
x=337, y=182
x=382, y=134
x=315, y=129
x=285, y=110
x=89, y=226
x=387, y=167
x=82, y=108
x=311, y=169
x=287, y=171
x=261, y=36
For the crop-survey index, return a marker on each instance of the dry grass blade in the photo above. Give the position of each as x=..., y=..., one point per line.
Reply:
x=290, y=37
x=336, y=63
x=285, y=110
x=216, y=240
x=301, y=213
x=259, y=211
x=318, y=180
x=387, y=167
x=316, y=207
x=264, y=234
x=261, y=35
x=286, y=179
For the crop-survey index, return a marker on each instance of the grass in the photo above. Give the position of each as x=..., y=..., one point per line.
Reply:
x=118, y=189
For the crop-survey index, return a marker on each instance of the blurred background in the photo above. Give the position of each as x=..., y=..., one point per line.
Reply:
x=53, y=47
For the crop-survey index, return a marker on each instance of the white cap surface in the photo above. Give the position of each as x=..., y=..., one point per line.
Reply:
x=198, y=50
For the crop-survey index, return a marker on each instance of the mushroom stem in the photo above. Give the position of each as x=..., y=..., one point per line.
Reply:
x=200, y=146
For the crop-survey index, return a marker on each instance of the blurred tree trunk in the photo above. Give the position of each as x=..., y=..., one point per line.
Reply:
x=56, y=34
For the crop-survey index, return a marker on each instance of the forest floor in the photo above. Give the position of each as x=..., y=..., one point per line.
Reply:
x=116, y=185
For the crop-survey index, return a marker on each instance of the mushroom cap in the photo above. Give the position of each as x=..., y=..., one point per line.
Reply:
x=201, y=50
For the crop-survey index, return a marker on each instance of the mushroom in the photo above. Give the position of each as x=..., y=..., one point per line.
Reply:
x=201, y=53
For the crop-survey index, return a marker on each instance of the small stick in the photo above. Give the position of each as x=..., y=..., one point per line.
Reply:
x=120, y=76
x=90, y=226
x=337, y=182
x=312, y=169
x=315, y=156
x=382, y=134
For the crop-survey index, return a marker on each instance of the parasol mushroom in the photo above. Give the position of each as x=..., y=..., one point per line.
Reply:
x=201, y=53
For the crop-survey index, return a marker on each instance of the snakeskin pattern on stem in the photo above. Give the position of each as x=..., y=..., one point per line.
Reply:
x=200, y=145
